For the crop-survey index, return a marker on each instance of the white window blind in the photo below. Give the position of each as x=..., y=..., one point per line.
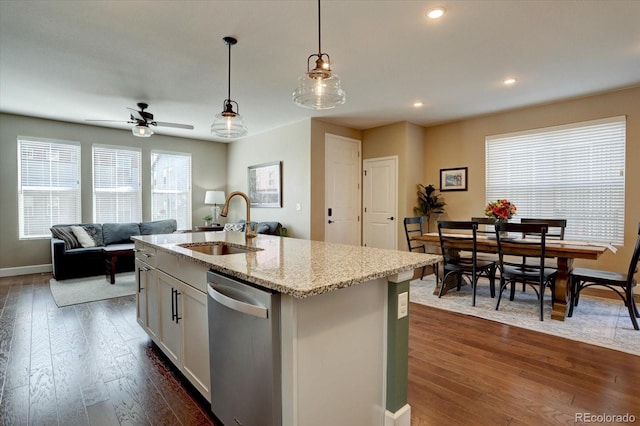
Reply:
x=116, y=184
x=48, y=185
x=573, y=172
x=171, y=187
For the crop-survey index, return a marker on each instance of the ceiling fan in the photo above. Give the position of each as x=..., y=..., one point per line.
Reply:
x=143, y=119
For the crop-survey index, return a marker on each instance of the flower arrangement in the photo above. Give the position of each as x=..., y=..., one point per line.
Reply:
x=500, y=210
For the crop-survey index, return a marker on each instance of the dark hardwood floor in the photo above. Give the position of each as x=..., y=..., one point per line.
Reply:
x=93, y=364
x=84, y=364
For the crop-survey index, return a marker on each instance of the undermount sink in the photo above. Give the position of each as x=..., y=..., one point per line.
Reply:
x=218, y=248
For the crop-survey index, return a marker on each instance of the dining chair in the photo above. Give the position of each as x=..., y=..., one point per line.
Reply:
x=413, y=226
x=455, y=265
x=621, y=284
x=555, y=230
x=534, y=274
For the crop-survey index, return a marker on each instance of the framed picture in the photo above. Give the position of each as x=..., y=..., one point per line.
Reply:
x=265, y=184
x=453, y=179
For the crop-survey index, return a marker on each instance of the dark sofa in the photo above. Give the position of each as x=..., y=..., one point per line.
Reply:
x=268, y=228
x=71, y=260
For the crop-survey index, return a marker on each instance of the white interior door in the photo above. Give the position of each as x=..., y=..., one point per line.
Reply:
x=380, y=187
x=342, y=190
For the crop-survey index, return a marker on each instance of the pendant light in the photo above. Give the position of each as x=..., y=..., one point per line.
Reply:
x=319, y=88
x=229, y=124
x=142, y=130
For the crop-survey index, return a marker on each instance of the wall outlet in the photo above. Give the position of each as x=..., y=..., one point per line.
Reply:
x=403, y=304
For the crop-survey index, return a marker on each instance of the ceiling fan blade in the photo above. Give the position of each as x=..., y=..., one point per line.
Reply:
x=136, y=114
x=112, y=121
x=179, y=126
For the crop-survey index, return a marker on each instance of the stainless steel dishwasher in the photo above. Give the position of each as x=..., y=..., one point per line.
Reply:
x=244, y=345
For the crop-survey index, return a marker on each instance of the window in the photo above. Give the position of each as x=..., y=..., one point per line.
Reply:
x=171, y=187
x=573, y=172
x=116, y=185
x=48, y=185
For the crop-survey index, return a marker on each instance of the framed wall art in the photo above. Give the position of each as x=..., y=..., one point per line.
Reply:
x=453, y=179
x=265, y=184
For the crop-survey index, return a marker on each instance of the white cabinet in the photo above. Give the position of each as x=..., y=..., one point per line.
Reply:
x=170, y=334
x=172, y=308
x=195, y=339
x=147, y=295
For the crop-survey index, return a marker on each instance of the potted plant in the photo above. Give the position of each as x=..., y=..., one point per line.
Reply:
x=207, y=220
x=429, y=203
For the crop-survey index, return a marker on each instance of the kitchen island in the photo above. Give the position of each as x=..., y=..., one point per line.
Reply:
x=342, y=314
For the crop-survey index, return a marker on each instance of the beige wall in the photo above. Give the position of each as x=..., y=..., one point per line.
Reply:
x=290, y=144
x=406, y=141
x=318, y=130
x=208, y=170
x=462, y=144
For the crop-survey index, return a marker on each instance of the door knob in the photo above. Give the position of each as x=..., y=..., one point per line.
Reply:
x=390, y=218
x=330, y=221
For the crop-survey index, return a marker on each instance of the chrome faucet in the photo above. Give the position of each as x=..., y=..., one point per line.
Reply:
x=225, y=210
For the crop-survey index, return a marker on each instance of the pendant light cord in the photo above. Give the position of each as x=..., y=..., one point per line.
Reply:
x=319, y=34
x=229, y=81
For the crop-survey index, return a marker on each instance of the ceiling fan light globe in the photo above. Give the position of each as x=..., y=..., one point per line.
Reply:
x=229, y=126
x=141, y=131
x=318, y=93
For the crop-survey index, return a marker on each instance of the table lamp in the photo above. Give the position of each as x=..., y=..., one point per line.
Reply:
x=217, y=199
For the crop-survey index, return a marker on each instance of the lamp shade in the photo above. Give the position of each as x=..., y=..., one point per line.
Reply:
x=319, y=93
x=214, y=197
x=141, y=131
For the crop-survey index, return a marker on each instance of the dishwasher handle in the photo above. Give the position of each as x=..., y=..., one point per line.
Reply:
x=238, y=305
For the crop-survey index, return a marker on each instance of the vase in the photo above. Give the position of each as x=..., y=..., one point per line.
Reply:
x=503, y=234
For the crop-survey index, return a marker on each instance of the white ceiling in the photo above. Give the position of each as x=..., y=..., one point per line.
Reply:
x=82, y=60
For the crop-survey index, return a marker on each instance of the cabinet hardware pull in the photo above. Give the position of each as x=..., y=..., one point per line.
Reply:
x=173, y=305
x=178, y=317
x=140, y=288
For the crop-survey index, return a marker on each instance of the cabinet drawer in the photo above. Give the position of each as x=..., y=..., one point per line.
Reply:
x=146, y=253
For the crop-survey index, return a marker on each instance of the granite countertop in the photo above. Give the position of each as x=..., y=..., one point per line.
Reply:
x=300, y=268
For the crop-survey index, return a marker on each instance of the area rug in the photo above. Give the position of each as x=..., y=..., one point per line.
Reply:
x=598, y=321
x=90, y=289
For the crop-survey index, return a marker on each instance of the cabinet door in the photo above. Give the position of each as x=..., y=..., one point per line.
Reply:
x=170, y=340
x=195, y=339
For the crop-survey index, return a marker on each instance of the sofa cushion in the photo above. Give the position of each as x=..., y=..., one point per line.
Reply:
x=65, y=234
x=84, y=237
x=167, y=226
x=119, y=233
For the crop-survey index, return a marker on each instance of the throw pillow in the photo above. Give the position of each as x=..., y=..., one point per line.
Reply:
x=83, y=236
x=65, y=234
x=234, y=227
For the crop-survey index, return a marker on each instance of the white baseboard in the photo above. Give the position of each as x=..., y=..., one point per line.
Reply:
x=402, y=417
x=25, y=270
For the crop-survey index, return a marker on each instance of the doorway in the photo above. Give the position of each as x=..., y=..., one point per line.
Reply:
x=380, y=196
x=342, y=190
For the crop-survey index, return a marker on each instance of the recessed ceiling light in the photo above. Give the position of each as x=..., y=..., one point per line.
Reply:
x=509, y=81
x=417, y=104
x=435, y=13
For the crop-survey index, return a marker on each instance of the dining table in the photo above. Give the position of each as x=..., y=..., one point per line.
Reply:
x=563, y=250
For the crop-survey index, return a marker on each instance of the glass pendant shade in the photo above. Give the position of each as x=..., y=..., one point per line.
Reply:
x=319, y=93
x=226, y=125
x=141, y=131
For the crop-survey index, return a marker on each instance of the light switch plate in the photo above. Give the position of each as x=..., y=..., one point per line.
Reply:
x=403, y=304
